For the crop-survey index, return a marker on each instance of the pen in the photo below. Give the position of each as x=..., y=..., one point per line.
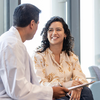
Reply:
x=66, y=93
x=60, y=84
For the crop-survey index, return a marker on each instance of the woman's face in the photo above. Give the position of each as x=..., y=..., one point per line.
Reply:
x=56, y=33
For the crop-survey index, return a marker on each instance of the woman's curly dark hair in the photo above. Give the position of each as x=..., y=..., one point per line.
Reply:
x=67, y=43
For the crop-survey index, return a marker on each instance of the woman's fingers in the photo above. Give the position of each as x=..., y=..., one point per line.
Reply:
x=76, y=82
x=75, y=95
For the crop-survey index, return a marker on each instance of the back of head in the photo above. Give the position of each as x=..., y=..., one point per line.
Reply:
x=24, y=13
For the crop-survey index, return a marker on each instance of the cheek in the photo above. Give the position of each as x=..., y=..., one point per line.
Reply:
x=48, y=35
x=36, y=28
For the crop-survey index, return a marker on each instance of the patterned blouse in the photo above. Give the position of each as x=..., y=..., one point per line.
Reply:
x=50, y=73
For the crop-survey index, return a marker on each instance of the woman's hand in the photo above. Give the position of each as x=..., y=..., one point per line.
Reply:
x=75, y=94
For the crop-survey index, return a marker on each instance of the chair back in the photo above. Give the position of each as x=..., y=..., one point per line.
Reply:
x=95, y=88
x=95, y=72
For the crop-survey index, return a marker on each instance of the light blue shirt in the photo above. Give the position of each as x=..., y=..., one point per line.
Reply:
x=17, y=77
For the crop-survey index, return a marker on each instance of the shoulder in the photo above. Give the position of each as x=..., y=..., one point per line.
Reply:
x=73, y=56
x=11, y=42
x=38, y=55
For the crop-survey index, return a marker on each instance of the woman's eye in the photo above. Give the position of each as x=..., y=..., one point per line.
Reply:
x=50, y=30
x=58, y=29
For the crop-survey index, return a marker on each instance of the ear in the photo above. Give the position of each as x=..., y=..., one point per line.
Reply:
x=65, y=36
x=32, y=24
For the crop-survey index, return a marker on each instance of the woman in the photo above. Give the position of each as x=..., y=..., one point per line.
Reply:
x=55, y=62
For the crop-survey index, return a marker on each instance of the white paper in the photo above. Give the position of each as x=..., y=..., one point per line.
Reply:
x=82, y=85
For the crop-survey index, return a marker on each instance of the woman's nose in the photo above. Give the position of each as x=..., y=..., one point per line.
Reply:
x=54, y=32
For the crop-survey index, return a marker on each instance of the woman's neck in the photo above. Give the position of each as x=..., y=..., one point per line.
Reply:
x=56, y=49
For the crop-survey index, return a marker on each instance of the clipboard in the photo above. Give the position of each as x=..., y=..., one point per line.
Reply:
x=78, y=86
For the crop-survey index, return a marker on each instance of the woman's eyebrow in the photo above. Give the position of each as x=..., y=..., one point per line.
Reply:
x=56, y=27
x=51, y=28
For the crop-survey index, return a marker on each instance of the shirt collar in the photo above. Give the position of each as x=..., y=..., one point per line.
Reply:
x=15, y=32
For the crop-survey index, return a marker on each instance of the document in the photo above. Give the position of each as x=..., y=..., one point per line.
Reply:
x=82, y=85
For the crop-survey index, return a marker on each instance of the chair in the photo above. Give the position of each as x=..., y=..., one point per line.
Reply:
x=95, y=87
x=94, y=72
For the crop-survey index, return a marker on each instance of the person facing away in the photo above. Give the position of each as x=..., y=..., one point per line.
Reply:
x=17, y=77
x=55, y=61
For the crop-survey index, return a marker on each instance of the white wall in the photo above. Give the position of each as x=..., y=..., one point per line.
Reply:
x=87, y=34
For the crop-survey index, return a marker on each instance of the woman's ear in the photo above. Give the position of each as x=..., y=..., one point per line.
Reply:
x=65, y=36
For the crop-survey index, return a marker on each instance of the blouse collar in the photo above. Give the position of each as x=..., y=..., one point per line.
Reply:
x=48, y=49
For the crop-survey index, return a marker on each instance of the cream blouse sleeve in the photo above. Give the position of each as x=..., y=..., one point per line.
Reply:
x=77, y=71
x=39, y=64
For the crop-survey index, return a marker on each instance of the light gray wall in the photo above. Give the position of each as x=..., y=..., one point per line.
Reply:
x=97, y=26
x=73, y=15
x=11, y=5
x=6, y=14
x=59, y=8
x=1, y=16
x=97, y=31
